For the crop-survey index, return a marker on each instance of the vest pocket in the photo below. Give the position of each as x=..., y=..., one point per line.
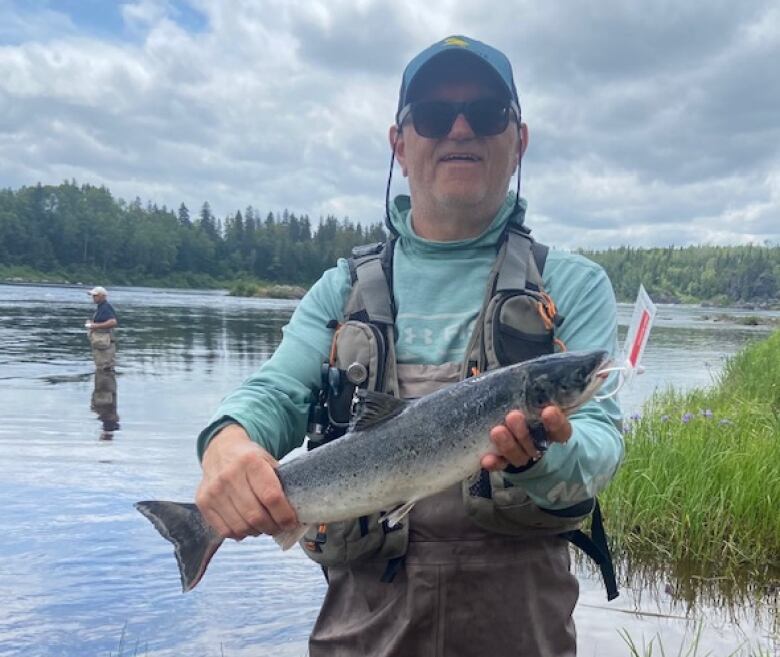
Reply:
x=360, y=539
x=358, y=355
x=100, y=340
x=516, y=329
x=509, y=510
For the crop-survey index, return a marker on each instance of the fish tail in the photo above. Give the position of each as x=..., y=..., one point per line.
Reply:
x=194, y=540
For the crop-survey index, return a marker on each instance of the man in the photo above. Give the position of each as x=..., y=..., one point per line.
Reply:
x=101, y=330
x=480, y=569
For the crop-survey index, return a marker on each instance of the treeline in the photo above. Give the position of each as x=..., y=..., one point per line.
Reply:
x=72, y=229
x=718, y=274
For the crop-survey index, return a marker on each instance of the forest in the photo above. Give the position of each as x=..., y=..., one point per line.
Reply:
x=71, y=232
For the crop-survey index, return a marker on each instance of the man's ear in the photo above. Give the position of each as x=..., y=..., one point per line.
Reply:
x=397, y=144
x=523, y=140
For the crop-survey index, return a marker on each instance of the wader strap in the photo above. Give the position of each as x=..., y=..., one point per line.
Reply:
x=596, y=547
x=392, y=568
x=513, y=272
x=375, y=291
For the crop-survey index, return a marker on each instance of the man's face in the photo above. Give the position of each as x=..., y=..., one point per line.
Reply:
x=97, y=298
x=460, y=171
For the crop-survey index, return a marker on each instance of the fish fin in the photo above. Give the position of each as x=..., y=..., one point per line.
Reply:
x=375, y=408
x=194, y=540
x=290, y=537
x=398, y=514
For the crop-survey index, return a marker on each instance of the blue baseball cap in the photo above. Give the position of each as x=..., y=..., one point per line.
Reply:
x=449, y=54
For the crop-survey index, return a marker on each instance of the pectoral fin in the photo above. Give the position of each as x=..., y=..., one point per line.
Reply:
x=398, y=514
x=375, y=408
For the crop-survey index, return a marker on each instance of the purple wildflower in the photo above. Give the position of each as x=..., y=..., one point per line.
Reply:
x=636, y=416
x=664, y=418
x=706, y=412
x=687, y=418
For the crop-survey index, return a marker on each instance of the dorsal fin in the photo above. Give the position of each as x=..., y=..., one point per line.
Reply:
x=375, y=408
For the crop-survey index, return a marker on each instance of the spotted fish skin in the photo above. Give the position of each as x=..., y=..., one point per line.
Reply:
x=398, y=452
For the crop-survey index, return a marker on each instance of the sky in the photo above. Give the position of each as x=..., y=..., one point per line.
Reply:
x=652, y=122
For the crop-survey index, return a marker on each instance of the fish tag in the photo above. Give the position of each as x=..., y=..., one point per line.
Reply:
x=374, y=408
x=638, y=333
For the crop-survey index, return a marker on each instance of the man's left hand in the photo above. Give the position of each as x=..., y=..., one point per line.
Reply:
x=513, y=439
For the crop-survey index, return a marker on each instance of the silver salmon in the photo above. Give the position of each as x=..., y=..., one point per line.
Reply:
x=398, y=452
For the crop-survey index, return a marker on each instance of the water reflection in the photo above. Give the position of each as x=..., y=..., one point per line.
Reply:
x=103, y=402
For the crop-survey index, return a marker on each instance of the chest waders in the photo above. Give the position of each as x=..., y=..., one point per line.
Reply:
x=517, y=321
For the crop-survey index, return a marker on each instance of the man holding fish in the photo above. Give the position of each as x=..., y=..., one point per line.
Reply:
x=481, y=567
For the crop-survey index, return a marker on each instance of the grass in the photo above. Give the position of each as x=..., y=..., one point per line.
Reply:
x=698, y=495
x=656, y=647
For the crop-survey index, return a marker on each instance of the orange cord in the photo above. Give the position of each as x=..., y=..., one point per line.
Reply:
x=333, y=345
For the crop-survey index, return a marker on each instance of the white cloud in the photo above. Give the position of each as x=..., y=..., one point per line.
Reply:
x=650, y=124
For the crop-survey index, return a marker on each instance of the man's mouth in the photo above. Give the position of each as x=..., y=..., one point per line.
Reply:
x=460, y=157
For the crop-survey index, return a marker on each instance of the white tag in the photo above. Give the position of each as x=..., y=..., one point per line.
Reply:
x=638, y=332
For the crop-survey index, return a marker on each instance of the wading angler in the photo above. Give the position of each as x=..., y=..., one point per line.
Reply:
x=476, y=564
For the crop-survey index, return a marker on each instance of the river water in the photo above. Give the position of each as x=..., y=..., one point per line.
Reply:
x=82, y=574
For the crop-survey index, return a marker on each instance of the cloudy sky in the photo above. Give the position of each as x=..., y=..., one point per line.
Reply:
x=652, y=122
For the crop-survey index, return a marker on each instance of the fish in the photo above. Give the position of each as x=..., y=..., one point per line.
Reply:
x=398, y=452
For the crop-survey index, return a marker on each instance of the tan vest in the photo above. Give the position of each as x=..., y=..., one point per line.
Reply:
x=364, y=352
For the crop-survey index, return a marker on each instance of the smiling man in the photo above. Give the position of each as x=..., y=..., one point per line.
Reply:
x=461, y=287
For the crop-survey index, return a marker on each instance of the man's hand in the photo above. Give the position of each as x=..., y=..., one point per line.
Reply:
x=513, y=439
x=240, y=494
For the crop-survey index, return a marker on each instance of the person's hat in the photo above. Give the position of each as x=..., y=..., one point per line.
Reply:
x=98, y=290
x=452, y=53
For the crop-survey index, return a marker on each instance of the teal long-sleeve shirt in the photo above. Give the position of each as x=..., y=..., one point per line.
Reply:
x=438, y=289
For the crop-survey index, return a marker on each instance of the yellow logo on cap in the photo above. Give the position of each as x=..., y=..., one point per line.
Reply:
x=455, y=41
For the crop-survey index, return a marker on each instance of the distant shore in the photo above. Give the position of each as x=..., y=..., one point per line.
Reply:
x=275, y=290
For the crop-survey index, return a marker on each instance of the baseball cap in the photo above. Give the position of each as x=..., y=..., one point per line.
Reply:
x=453, y=52
x=97, y=290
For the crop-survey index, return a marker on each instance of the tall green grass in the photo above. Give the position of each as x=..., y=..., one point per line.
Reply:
x=698, y=495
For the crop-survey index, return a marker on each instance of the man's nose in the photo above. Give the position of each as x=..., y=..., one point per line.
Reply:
x=461, y=128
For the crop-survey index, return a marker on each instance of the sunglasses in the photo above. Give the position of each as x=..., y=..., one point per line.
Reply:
x=434, y=118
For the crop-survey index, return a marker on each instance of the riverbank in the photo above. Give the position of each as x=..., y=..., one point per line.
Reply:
x=696, y=499
x=252, y=287
x=184, y=281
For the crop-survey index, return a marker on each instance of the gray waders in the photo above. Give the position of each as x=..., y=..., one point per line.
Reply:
x=478, y=569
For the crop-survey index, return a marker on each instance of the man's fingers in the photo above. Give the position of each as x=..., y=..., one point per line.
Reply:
x=516, y=423
x=222, y=515
x=517, y=450
x=265, y=486
x=493, y=462
x=556, y=424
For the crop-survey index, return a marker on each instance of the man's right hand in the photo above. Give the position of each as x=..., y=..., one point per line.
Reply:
x=240, y=494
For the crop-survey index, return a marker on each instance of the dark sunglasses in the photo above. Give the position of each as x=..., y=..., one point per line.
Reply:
x=434, y=118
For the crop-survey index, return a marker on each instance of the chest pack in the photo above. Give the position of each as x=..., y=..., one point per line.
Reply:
x=516, y=322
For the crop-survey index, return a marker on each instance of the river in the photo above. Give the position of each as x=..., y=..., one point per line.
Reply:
x=82, y=574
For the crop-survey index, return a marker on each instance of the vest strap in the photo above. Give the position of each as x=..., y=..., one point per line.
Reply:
x=513, y=272
x=374, y=291
x=597, y=548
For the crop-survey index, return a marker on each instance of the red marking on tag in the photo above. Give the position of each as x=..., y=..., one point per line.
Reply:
x=640, y=336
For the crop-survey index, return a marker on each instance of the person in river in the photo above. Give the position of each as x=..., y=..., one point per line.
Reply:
x=461, y=287
x=100, y=330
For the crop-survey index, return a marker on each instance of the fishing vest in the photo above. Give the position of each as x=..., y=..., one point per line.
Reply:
x=516, y=322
